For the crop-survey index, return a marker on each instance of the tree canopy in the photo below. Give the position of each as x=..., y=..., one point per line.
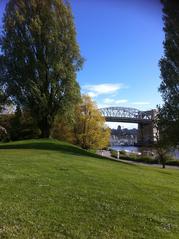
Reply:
x=169, y=66
x=40, y=57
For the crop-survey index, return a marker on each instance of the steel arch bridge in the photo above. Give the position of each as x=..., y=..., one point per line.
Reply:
x=127, y=115
x=144, y=119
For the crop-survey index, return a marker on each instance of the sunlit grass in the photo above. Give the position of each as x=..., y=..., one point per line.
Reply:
x=50, y=189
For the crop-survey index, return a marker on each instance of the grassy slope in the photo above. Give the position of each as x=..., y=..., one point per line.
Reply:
x=53, y=190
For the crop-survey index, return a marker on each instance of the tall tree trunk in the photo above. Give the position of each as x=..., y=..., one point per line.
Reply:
x=45, y=128
x=163, y=162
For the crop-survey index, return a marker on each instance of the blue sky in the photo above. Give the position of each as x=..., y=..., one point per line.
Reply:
x=121, y=42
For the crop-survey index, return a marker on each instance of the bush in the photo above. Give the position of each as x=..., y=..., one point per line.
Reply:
x=122, y=152
x=148, y=160
x=5, y=121
x=173, y=162
x=3, y=134
x=22, y=126
x=140, y=159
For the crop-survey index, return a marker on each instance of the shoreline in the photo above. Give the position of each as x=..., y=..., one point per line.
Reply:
x=107, y=154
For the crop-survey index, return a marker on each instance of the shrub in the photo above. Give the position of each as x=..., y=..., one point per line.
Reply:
x=22, y=126
x=173, y=162
x=3, y=134
x=122, y=152
x=140, y=159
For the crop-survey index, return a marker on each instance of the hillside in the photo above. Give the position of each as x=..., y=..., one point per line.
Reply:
x=51, y=189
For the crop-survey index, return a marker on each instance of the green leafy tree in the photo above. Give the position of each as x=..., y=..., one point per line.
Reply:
x=169, y=66
x=63, y=127
x=90, y=130
x=162, y=144
x=40, y=58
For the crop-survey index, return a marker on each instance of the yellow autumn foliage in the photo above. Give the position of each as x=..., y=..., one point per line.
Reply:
x=85, y=128
x=90, y=129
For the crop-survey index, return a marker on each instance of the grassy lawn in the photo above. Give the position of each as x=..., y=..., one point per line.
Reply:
x=50, y=189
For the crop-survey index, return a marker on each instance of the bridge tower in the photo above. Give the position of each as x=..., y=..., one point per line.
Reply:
x=147, y=131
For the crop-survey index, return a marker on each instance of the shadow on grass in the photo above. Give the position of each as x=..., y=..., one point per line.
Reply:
x=58, y=147
x=52, y=146
x=43, y=145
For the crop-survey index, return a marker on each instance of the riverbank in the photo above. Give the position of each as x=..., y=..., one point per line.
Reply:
x=137, y=149
x=140, y=161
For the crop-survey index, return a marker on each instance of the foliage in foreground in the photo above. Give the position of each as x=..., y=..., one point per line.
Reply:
x=162, y=143
x=56, y=190
x=39, y=58
x=84, y=126
x=63, y=127
x=86, y=129
x=169, y=66
x=18, y=126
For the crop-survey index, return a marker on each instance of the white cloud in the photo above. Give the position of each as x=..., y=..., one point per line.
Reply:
x=109, y=101
x=141, y=103
x=100, y=89
x=91, y=94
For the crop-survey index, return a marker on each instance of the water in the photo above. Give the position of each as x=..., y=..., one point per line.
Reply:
x=128, y=148
x=174, y=153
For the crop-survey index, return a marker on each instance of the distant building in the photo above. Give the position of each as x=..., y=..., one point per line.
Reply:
x=123, y=136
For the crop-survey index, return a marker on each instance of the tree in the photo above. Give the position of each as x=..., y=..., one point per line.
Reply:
x=169, y=66
x=90, y=130
x=162, y=145
x=40, y=58
x=63, y=128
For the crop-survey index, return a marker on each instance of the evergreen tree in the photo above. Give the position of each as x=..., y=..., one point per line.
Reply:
x=169, y=66
x=40, y=58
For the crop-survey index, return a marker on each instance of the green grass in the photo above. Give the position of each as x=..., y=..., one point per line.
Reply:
x=53, y=190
